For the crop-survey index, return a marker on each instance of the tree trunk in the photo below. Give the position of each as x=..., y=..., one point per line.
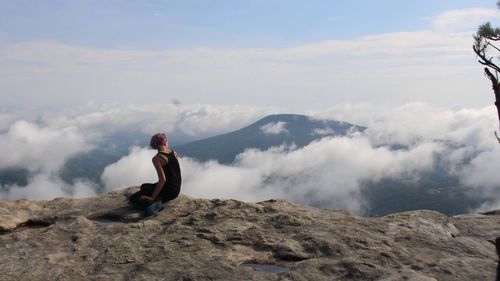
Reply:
x=497, y=244
x=497, y=103
x=496, y=89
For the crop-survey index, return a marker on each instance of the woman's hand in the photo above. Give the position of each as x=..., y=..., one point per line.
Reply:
x=146, y=198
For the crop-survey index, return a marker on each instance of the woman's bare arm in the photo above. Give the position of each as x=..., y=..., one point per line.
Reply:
x=161, y=179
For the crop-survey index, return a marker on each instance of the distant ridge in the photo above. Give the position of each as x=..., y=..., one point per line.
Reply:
x=272, y=130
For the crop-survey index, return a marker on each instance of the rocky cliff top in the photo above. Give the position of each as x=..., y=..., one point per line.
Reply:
x=102, y=238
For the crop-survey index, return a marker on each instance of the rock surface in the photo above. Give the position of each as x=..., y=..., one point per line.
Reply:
x=102, y=238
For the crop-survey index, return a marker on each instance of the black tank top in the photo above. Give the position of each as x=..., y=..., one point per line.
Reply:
x=172, y=170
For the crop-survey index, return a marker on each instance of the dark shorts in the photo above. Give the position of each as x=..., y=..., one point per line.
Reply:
x=168, y=193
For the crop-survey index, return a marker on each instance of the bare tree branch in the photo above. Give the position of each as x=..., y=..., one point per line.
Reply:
x=495, y=47
x=484, y=60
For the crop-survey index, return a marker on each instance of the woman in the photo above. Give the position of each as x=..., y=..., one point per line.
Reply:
x=168, y=186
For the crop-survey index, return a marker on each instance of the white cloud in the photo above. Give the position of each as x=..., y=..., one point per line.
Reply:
x=196, y=121
x=6, y=121
x=275, y=128
x=488, y=206
x=43, y=186
x=414, y=122
x=213, y=180
x=134, y=169
x=39, y=148
x=390, y=68
x=483, y=171
x=474, y=150
x=464, y=19
x=322, y=132
x=211, y=120
x=42, y=151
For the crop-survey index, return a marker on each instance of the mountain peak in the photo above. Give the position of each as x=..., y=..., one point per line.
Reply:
x=271, y=130
x=283, y=117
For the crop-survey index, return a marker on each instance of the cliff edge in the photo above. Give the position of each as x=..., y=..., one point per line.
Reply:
x=102, y=238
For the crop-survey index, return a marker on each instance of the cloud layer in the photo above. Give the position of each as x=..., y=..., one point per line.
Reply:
x=400, y=143
x=42, y=151
x=42, y=143
x=391, y=68
x=328, y=172
x=331, y=171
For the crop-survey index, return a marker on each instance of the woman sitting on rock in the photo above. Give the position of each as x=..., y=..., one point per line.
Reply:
x=152, y=195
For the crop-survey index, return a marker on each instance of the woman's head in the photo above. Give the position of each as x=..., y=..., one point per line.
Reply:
x=158, y=140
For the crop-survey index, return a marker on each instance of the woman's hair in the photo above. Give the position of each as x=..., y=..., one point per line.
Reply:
x=157, y=140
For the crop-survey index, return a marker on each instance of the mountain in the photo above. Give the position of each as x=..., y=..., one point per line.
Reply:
x=272, y=130
x=103, y=238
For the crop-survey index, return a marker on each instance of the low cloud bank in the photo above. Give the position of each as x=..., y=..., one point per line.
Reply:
x=133, y=169
x=42, y=143
x=326, y=172
x=401, y=143
x=42, y=151
x=44, y=186
x=472, y=153
x=191, y=121
x=39, y=148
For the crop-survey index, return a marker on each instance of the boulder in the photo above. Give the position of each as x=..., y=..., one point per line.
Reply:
x=103, y=238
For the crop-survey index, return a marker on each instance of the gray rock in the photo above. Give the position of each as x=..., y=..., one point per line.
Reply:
x=103, y=238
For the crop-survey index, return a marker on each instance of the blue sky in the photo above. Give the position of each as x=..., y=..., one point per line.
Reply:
x=292, y=54
x=215, y=23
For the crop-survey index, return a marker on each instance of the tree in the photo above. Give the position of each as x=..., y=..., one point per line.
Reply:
x=485, y=41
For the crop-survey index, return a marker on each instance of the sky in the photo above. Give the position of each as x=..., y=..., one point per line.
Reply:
x=73, y=73
x=189, y=24
x=295, y=55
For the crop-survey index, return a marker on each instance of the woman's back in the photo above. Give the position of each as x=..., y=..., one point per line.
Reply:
x=172, y=168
